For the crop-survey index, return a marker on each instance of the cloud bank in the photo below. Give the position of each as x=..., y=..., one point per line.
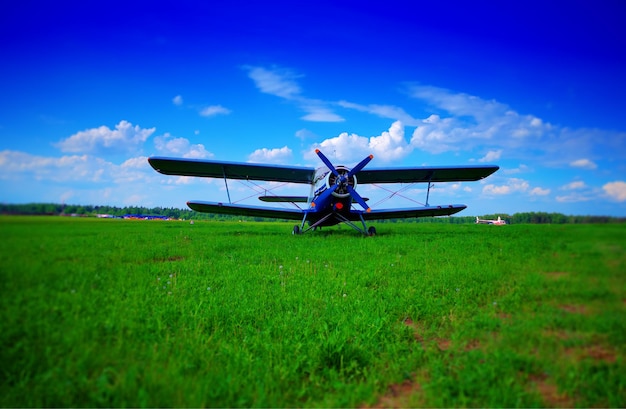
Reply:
x=124, y=138
x=281, y=83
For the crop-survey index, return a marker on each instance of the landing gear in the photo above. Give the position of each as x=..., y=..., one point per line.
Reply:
x=340, y=218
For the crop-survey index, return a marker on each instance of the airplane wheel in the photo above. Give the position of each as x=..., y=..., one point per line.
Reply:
x=296, y=230
x=371, y=231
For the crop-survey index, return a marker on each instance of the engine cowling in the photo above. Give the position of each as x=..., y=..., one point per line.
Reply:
x=342, y=181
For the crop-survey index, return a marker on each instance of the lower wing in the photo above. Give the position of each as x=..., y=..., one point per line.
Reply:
x=428, y=211
x=244, y=210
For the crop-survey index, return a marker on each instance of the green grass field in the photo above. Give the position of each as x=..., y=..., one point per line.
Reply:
x=113, y=313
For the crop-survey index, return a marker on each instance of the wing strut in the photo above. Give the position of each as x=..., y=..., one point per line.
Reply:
x=430, y=177
x=226, y=183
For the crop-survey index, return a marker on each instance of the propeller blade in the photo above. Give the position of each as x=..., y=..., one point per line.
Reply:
x=360, y=166
x=358, y=198
x=327, y=162
x=322, y=197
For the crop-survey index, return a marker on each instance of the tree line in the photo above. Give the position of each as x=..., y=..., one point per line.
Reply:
x=187, y=214
x=55, y=209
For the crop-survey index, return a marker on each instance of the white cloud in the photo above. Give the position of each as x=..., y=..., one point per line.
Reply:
x=436, y=135
x=140, y=162
x=384, y=111
x=124, y=138
x=389, y=145
x=459, y=104
x=492, y=189
x=459, y=122
x=537, y=191
x=583, y=164
x=182, y=180
x=278, y=82
x=491, y=156
x=344, y=147
x=180, y=147
x=277, y=155
x=464, y=121
x=281, y=83
x=305, y=134
x=206, y=111
x=133, y=170
x=520, y=169
x=573, y=198
x=579, y=191
x=320, y=114
x=574, y=147
x=576, y=185
x=86, y=179
x=214, y=110
x=616, y=190
x=512, y=185
x=72, y=168
x=65, y=168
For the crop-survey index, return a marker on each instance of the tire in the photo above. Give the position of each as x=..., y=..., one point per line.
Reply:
x=371, y=231
x=296, y=230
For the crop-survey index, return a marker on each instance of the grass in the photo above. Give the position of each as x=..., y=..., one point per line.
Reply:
x=113, y=313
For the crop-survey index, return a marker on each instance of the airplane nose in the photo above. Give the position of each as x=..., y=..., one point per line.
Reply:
x=344, y=180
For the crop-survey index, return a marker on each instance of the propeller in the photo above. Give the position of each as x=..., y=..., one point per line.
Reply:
x=360, y=166
x=342, y=179
x=327, y=193
x=327, y=162
x=359, y=199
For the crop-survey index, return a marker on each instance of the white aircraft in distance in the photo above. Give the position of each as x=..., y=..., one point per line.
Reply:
x=498, y=222
x=332, y=189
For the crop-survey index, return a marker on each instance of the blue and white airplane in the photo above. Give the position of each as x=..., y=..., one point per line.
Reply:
x=333, y=189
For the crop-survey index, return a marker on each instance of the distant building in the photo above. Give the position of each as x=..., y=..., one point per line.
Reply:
x=144, y=217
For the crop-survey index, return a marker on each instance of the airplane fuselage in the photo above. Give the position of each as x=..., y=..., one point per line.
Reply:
x=498, y=222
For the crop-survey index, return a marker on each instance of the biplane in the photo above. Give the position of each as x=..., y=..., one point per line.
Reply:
x=333, y=196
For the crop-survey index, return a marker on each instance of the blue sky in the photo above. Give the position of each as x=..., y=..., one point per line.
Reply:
x=90, y=91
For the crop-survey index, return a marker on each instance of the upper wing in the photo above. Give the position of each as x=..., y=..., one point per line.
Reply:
x=232, y=170
x=425, y=174
x=245, y=210
x=428, y=211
